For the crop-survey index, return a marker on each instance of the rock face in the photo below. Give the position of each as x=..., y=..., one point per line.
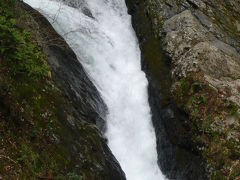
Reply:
x=80, y=110
x=193, y=48
x=198, y=41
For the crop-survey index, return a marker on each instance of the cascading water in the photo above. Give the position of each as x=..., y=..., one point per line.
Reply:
x=101, y=35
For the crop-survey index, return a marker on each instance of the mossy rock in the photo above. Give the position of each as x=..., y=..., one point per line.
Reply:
x=43, y=134
x=209, y=115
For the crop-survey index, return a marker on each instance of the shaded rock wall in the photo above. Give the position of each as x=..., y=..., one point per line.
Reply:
x=200, y=41
x=87, y=151
x=175, y=157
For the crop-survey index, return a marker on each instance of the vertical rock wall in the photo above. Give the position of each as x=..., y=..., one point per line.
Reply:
x=198, y=41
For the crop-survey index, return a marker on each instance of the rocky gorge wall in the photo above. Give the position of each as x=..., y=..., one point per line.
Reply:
x=48, y=126
x=190, y=52
x=91, y=155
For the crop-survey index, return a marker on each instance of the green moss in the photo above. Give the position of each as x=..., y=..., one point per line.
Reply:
x=225, y=17
x=155, y=63
x=154, y=16
x=30, y=105
x=31, y=122
x=19, y=53
x=73, y=176
x=208, y=113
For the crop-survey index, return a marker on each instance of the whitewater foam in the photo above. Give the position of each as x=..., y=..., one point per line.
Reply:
x=101, y=35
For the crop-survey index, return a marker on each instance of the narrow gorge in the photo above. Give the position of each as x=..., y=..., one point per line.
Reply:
x=120, y=89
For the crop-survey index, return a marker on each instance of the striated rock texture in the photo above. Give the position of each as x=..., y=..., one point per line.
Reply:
x=48, y=125
x=199, y=41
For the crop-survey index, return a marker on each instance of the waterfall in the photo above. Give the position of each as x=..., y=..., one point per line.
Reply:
x=101, y=35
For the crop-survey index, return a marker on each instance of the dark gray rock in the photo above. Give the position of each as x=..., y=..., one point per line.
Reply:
x=88, y=152
x=176, y=156
x=199, y=37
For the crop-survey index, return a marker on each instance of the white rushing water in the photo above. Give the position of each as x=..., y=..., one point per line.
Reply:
x=106, y=45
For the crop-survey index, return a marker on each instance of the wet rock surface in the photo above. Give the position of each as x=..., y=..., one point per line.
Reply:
x=173, y=139
x=199, y=45
x=83, y=111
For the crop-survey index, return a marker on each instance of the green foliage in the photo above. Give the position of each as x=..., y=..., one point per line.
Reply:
x=29, y=159
x=73, y=176
x=20, y=54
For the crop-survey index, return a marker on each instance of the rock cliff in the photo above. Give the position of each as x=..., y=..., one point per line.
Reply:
x=196, y=43
x=48, y=124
